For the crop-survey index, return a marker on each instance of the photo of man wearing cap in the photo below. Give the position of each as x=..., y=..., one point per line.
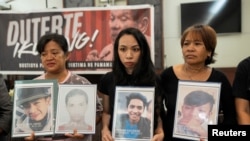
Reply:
x=35, y=104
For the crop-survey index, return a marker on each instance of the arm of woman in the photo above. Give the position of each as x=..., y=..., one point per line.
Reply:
x=106, y=133
x=243, y=111
x=158, y=134
x=99, y=108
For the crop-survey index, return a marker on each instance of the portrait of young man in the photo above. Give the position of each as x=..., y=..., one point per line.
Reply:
x=33, y=110
x=197, y=107
x=195, y=114
x=133, y=116
x=76, y=109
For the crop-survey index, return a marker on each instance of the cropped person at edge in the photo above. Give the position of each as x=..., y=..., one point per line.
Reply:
x=6, y=107
x=241, y=91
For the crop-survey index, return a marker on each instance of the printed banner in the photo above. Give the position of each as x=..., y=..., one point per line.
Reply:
x=89, y=31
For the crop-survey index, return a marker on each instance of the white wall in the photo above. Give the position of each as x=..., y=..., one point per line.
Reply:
x=231, y=48
x=28, y=5
x=100, y=3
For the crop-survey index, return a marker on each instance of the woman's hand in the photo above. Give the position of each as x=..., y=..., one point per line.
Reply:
x=106, y=135
x=158, y=137
x=196, y=126
x=201, y=139
x=31, y=137
x=74, y=135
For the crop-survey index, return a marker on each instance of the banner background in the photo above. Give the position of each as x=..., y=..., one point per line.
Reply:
x=85, y=28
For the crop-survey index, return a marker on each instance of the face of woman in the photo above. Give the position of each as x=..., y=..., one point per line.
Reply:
x=194, y=50
x=53, y=58
x=129, y=52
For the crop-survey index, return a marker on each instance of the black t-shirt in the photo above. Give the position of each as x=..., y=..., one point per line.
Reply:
x=241, y=84
x=107, y=86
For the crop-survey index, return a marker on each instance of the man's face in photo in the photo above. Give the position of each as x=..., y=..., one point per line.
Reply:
x=197, y=113
x=77, y=106
x=119, y=20
x=135, y=110
x=37, y=109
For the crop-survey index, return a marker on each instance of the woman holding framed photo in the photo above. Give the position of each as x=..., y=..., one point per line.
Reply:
x=132, y=66
x=198, y=44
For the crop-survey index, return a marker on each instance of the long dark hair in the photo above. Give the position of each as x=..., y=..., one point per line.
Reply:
x=143, y=73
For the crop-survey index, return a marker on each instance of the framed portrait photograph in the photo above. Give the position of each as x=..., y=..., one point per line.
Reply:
x=76, y=109
x=196, y=107
x=133, y=113
x=33, y=109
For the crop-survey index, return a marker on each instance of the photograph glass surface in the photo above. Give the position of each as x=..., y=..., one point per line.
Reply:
x=196, y=108
x=33, y=107
x=133, y=114
x=76, y=109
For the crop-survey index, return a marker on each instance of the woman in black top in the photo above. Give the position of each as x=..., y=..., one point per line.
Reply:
x=198, y=44
x=132, y=66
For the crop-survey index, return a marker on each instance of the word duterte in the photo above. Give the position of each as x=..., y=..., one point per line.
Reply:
x=216, y=132
x=24, y=33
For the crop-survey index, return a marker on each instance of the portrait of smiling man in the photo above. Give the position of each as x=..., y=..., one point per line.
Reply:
x=133, y=125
